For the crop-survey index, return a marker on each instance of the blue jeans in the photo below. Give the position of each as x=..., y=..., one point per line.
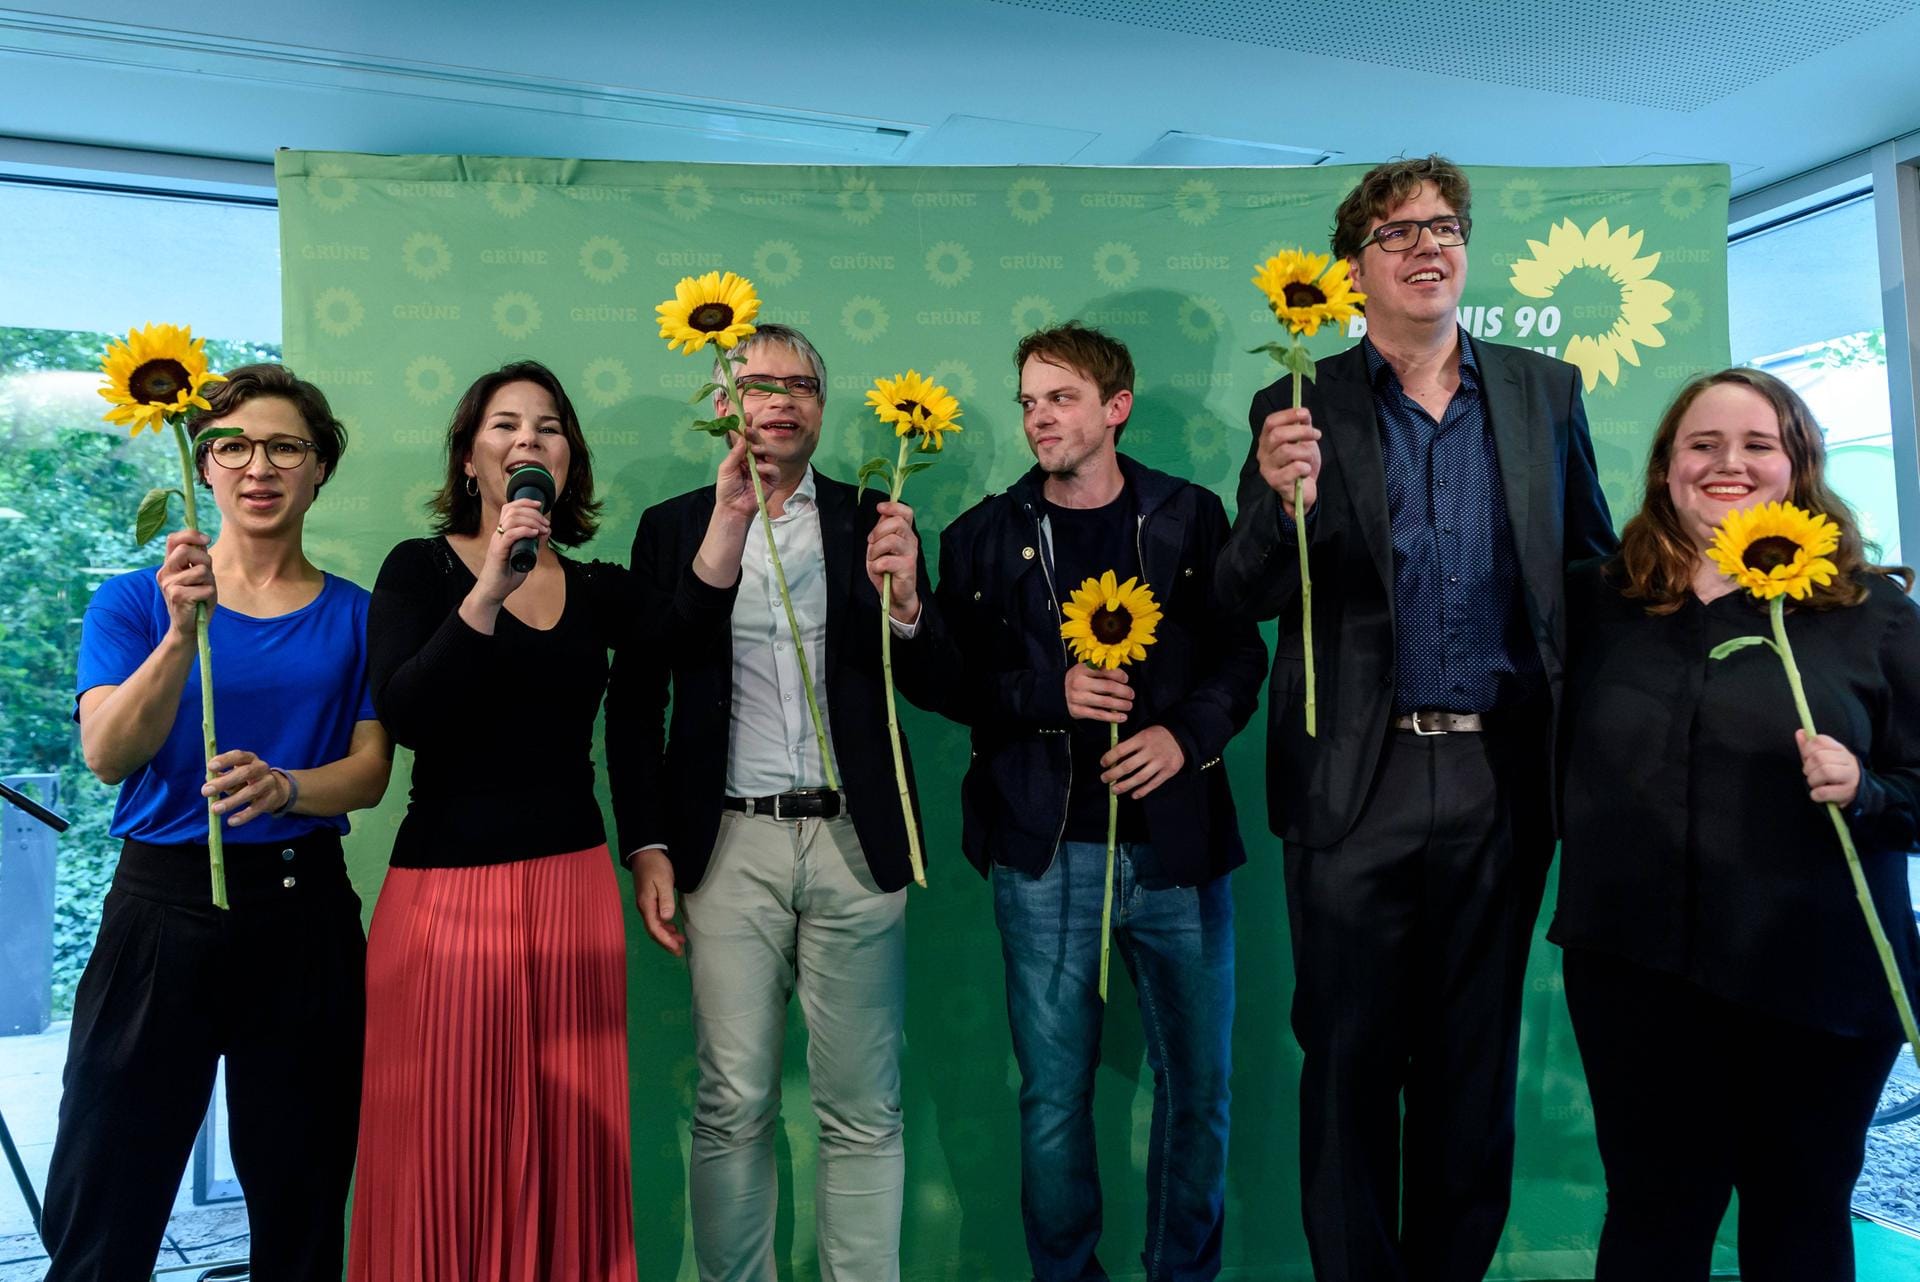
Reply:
x=1177, y=945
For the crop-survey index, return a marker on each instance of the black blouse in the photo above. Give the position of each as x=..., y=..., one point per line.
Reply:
x=501, y=725
x=1690, y=844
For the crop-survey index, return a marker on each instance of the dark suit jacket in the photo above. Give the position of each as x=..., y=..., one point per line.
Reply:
x=682, y=769
x=1316, y=787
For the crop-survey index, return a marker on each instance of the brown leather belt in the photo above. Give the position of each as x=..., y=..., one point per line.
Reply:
x=1430, y=721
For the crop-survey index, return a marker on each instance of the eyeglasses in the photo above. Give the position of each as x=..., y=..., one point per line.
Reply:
x=284, y=452
x=801, y=387
x=1399, y=236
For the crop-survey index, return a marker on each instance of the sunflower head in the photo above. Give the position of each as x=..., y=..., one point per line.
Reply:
x=916, y=406
x=713, y=308
x=155, y=376
x=1776, y=549
x=1110, y=623
x=1307, y=291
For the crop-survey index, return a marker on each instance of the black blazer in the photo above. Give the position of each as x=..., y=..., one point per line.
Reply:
x=1316, y=787
x=681, y=770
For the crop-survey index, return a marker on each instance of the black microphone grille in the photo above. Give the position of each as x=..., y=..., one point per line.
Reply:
x=532, y=482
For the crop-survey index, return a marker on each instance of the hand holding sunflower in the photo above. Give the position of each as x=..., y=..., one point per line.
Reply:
x=919, y=411
x=156, y=377
x=1777, y=551
x=719, y=308
x=1110, y=624
x=1304, y=292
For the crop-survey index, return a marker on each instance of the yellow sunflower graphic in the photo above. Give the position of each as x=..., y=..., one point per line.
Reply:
x=1613, y=254
x=510, y=194
x=686, y=196
x=777, y=262
x=1200, y=318
x=1196, y=202
x=427, y=379
x=1304, y=292
x=1110, y=623
x=330, y=187
x=708, y=309
x=1029, y=199
x=516, y=314
x=1032, y=312
x=915, y=406
x=426, y=256
x=155, y=374
x=338, y=312
x=1115, y=264
x=949, y=263
x=1521, y=200
x=602, y=259
x=864, y=318
x=861, y=200
x=1776, y=549
x=1683, y=196
x=955, y=374
x=607, y=381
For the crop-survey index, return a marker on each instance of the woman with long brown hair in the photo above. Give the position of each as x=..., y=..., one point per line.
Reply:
x=1731, y=1013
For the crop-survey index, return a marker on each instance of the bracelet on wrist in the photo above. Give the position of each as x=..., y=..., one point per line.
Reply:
x=293, y=791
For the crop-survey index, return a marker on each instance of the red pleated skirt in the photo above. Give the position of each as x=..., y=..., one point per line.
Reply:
x=494, y=1142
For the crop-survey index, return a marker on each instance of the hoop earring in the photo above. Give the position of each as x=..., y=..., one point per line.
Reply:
x=473, y=487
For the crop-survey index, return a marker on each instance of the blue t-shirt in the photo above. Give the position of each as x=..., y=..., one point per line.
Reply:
x=287, y=689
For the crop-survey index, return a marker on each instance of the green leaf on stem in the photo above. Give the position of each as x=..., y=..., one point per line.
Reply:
x=911, y=468
x=1298, y=361
x=717, y=427
x=706, y=390
x=873, y=467
x=151, y=517
x=771, y=389
x=1726, y=648
x=214, y=434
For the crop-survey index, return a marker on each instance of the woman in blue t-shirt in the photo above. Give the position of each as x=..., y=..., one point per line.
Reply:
x=276, y=983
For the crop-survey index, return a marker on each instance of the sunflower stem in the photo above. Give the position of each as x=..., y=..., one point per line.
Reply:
x=780, y=577
x=216, y=851
x=1860, y=890
x=1106, y=900
x=1306, y=575
x=914, y=857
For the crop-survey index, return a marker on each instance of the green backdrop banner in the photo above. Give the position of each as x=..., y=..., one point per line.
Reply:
x=406, y=277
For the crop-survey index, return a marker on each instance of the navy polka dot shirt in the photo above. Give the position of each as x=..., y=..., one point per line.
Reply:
x=1461, y=634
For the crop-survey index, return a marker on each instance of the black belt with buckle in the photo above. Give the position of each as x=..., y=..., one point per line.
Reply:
x=804, y=803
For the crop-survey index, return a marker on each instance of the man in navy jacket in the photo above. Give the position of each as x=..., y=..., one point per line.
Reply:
x=1034, y=802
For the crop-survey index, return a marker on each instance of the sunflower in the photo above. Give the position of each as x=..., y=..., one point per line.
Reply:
x=156, y=374
x=1305, y=293
x=913, y=405
x=1636, y=303
x=1775, y=549
x=1110, y=624
x=708, y=309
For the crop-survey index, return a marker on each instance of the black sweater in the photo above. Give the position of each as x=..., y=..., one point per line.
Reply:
x=502, y=725
x=1691, y=846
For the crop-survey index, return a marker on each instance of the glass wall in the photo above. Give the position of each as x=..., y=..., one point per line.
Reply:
x=84, y=266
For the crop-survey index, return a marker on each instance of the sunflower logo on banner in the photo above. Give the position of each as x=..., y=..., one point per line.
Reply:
x=1603, y=273
x=1775, y=551
x=1109, y=625
x=1305, y=291
x=154, y=379
x=719, y=308
x=919, y=411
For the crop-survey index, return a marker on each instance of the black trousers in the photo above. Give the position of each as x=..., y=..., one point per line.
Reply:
x=1694, y=1098
x=277, y=985
x=1410, y=942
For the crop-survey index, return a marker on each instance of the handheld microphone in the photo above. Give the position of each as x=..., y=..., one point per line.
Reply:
x=536, y=483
